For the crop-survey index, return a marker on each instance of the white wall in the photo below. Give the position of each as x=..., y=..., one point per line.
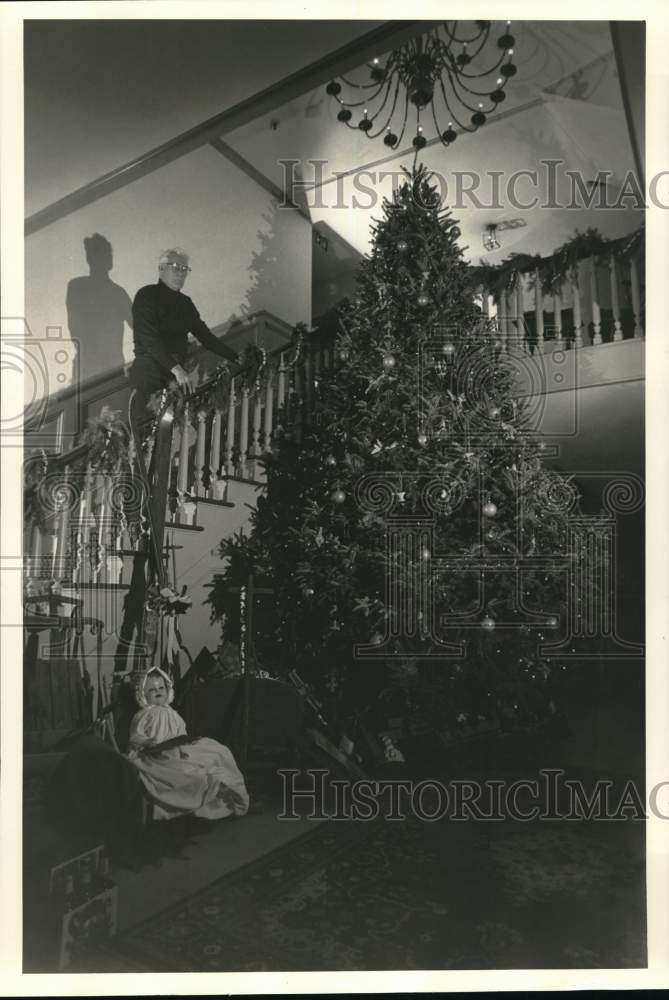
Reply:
x=247, y=254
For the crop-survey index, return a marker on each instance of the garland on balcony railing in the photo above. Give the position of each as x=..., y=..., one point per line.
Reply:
x=561, y=266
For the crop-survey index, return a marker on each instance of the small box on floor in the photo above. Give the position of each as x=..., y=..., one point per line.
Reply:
x=84, y=903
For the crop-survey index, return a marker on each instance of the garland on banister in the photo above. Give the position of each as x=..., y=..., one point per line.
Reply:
x=561, y=266
x=107, y=443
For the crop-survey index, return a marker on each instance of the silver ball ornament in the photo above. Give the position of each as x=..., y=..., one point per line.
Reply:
x=489, y=509
x=338, y=496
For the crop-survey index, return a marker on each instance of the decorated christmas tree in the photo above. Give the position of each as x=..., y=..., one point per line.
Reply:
x=408, y=530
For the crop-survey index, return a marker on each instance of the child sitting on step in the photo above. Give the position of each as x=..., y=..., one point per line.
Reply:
x=181, y=775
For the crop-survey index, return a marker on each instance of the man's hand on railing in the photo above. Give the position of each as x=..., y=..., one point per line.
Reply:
x=186, y=380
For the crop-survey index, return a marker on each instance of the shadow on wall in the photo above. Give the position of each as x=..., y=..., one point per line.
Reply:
x=266, y=269
x=97, y=309
x=268, y=272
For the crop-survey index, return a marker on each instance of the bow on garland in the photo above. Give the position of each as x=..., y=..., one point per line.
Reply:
x=107, y=439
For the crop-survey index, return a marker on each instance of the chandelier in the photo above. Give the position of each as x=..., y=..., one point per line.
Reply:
x=440, y=71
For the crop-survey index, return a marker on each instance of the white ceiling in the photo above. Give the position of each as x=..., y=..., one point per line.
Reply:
x=564, y=104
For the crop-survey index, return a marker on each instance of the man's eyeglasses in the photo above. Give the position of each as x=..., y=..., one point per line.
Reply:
x=181, y=268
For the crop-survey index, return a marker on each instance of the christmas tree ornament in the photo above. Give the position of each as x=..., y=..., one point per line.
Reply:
x=425, y=555
x=489, y=509
x=494, y=412
x=331, y=460
x=338, y=496
x=448, y=349
x=552, y=622
x=389, y=361
x=402, y=246
x=422, y=440
x=344, y=355
x=488, y=623
x=309, y=592
x=423, y=299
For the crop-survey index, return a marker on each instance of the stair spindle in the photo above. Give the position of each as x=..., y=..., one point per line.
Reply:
x=615, y=301
x=182, y=477
x=230, y=433
x=200, y=454
x=636, y=299
x=578, y=319
x=557, y=316
x=269, y=414
x=216, y=483
x=244, y=434
x=594, y=298
x=257, y=421
x=520, y=315
x=539, y=310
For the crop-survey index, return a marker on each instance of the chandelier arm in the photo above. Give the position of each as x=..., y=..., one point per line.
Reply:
x=485, y=93
x=484, y=35
x=484, y=41
x=359, y=104
x=464, y=103
x=388, y=71
x=404, y=123
x=455, y=118
x=392, y=111
x=485, y=72
x=359, y=86
x=461, y=41
x=377, y=113
x=436, y=123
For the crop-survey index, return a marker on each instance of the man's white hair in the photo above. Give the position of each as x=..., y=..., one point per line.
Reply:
x=172, y=252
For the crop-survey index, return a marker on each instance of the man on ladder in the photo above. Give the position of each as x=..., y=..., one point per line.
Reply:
x=162, y=319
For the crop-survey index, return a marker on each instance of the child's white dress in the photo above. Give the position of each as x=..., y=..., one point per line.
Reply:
x=200, y=777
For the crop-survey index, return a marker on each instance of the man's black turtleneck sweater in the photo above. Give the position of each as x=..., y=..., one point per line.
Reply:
x=162, y=320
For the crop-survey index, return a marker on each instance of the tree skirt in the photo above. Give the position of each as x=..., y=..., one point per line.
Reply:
x=414, y=895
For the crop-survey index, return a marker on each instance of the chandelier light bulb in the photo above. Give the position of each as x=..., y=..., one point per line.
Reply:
x=500, y=81
x=510, y=52
x=375, y=61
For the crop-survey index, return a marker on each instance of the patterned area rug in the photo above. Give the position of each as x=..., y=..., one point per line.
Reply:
x=414, y=895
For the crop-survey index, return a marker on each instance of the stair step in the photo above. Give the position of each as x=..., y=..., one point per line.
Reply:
x=215, y=503
x=183, y=527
